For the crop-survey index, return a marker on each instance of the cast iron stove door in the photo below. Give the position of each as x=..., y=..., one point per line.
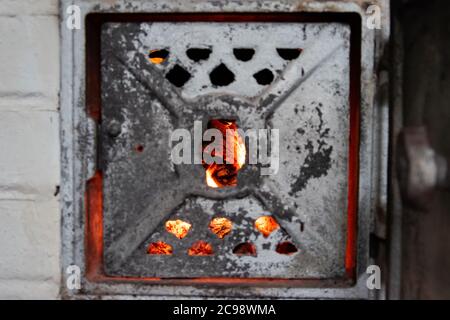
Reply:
x=157, y=77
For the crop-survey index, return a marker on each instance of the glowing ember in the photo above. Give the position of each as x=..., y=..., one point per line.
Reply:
x=158, y=56
x=178, y=228
x=221, y=175
x=266, y=225
x=200, y=248
x=220, y=226
x=209, y=178
x=159, y=248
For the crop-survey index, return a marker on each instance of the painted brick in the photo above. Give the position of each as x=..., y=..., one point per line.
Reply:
x=26, y=289
x=28, y=7
x=29, y=150
x=29, y=61
x=29, y=240
x=29, y=161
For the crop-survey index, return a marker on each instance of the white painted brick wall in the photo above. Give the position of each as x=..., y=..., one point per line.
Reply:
x=29, y=149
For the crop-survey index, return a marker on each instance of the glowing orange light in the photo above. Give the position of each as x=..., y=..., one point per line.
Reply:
x=266, y=225
x=220, y=226
x=200, y=248
x=156, y=60
x=159, y=248
x=209, y=178
x=221, y=175
x=178, y=228
x=158, y=56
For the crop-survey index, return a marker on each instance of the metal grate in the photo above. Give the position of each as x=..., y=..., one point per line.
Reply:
x=249, y=72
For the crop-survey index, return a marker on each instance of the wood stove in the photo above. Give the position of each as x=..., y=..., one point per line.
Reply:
x=139, y=223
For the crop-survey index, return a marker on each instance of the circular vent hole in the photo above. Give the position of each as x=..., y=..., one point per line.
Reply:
x=243, y=54
x=178, y=228
x=178, y=76
x=220, y=227
x=245, y=249
x=264, y=77
x=221, y=76
x=158, y=56
x=198, y=54
x=289, y=53
x=200, y=248
x=286, y=248
x=159, y=247
x=139, y=148
x=266, y=225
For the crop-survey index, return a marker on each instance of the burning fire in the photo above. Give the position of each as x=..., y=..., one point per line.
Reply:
x=200, y=248
x=221, y=175
x=220, y=226
x=266, y=225
x=159, y=248
x=158, y=56
x=178, y=228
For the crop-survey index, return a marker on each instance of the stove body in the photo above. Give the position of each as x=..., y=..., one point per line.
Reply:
x=122, y=187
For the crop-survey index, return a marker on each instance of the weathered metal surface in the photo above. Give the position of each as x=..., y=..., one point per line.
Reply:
x=308, y=102
x=79, y=158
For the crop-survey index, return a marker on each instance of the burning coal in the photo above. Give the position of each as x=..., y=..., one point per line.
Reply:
x=159, y=247
x=178, y=228
x=220, y=226
x=266, y=225
x=200, y=248
x=222, y=150
x=224, y=173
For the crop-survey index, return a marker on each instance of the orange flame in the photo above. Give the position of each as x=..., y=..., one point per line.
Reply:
x=200, y=248
x=178, y=228
x=266, y=225
x=159, y=248
x=158, y=56
x=220, y=226
x=221, y=175
x=156, y=60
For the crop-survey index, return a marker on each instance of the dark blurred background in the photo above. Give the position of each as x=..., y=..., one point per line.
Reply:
x=420, y=60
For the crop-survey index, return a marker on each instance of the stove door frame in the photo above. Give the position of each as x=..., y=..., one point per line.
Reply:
x=78, y=132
